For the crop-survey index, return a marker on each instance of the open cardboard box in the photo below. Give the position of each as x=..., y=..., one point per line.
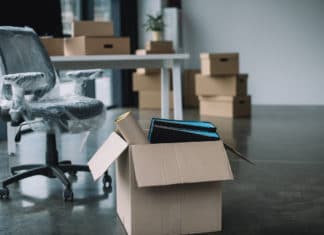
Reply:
x=170, y=188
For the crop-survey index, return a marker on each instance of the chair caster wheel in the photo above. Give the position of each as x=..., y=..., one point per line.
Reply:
x=107, y=181
x=68, y=194
x=13, y=173
x=107, y=190
x=73, y=173
x=4, y=193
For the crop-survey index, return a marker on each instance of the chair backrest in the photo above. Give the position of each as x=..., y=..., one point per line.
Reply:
x=22, y=51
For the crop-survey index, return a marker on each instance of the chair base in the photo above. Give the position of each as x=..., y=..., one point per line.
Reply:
x=52, y=169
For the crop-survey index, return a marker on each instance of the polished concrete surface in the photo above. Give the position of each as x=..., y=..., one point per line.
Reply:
x=282, y=194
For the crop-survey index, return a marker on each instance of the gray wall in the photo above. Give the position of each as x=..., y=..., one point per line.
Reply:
x=281, y=44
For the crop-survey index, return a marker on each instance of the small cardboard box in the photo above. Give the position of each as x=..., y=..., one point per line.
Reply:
x=152, y=100
x=225, y=106
x=92, y=28
x=53, y=46
x=144, y=82
x=234, y=85
x=84, y=45
x=190, y=100
x=159, y=47
x=219, y=64
x=166, y=188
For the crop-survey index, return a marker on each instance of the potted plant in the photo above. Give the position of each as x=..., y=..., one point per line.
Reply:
x=155, y=24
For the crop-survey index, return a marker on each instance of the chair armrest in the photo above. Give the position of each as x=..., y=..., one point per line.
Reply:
x=80, y=78
x=88, y=74
x=25, y=81
x=21, y=82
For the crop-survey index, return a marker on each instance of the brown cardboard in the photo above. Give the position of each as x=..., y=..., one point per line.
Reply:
x=147, y=82
x=152, y=100
x=186, y=195
x=84, y=45
x=53, y=46
x=225, y=106
x=190, y=100
x=234, y=85
x=219, y=64
x=149, y=70
x=158, y=47
x=92, y=28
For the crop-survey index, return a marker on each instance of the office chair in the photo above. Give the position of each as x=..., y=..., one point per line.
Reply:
x=29, y=97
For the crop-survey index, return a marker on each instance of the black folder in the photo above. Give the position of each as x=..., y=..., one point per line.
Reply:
x=169, y=131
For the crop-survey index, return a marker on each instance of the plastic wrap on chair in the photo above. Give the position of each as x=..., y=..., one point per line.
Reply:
x=30, y=90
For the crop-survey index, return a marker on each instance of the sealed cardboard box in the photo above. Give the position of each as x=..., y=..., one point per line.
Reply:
x=92, y=28
x=219, y=64
x=84, y=45
x=225, y=106
x=158, y=47
x=234, y=85
x=143, y=82
x=167, y=188
x=190, y=100
x=53, y=46
x=152, y=99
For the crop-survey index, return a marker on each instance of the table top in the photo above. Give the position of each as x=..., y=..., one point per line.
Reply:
x=151, y=57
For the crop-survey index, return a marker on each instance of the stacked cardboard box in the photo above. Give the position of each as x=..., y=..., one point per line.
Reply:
x=88, y=38
x=221, y=89
x=95, y=38
x=147, y=81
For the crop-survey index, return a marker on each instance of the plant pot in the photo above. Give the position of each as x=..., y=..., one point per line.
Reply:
x=156, y=35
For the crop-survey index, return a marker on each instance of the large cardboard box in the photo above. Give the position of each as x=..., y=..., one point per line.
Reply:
x=144, y=82
x=84, y=45
x=166, y=188
x=225, y=106
x=159, y=47
x=219, y=64
x=234, y=85
x=152, y=100
x=53, y=46
x=190, y=100
x=92, y=28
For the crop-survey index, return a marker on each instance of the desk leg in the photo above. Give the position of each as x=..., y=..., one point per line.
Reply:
x=165, y=86
x=11, y=144
x=177, y=91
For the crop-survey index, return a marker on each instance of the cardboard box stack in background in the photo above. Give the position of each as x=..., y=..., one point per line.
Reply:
x=95, y=38
x=147, y=81
x=221, y=89
x=53, y=46
x=190, y=100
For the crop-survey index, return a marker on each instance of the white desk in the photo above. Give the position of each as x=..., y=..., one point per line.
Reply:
x=163, y=61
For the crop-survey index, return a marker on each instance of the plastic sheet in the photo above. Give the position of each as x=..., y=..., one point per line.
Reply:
x=30, y=87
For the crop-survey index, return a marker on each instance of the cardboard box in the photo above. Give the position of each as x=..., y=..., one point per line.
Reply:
x=225, y=106
x=158, y=47
x=234, y=85
x=92, y=28
x=84, y=45
x=53, y=46
x=190, y=100
x=143, y=82
x=219, y=64
x=152, y=100
x=148, y=70
x=166, y=188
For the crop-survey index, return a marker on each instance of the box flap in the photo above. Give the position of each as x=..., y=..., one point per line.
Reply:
x=180, y=163
x=108, y=152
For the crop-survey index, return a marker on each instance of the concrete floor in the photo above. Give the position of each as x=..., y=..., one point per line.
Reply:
x=282, y=194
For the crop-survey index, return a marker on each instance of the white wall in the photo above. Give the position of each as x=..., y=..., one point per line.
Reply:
x=281, y=44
